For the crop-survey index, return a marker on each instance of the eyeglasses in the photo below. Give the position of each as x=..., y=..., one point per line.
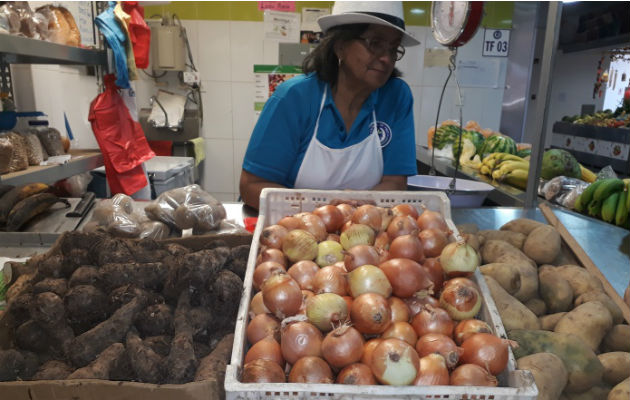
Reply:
x=378, y=47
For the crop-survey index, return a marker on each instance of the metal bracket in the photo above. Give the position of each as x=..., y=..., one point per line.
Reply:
x=6, y=84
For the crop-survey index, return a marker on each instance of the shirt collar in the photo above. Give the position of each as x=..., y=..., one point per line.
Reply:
x=370, y=102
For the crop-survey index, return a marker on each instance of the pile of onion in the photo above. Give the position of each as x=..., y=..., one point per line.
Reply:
x=358, y=294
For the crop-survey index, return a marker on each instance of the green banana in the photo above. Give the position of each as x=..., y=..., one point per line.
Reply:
x=484, y=169
x=517, y=178
x=587, y=194
x=609, y=207
x=628, y=199
x=512, y=164
x=578, y=206
x=608, y=187
x=594, y=208
x=621, y=214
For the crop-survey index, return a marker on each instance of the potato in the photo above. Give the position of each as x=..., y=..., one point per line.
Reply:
x=597, y=392
x=617, y=339
x=467, y=228
x=506, y=275
x=580, y=279
x=602, y=297
x=555, y=291
x=621, y=391
x=589, y=321
x=565, y=257
x=501, y=251
x=537, y=306
x=513, y=313
x=549, y=322
x=475, y=241
x=516, y=239
x=522, y=225
x=549, y=373
x=543, y=244
x=529, y=281
x=616, y=366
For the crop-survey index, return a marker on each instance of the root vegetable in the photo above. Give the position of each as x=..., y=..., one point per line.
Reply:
x=516, y=239
x=57, y=286
x=84, y=275
x=145, y=363
x=549, y=322
x=237, y=261
x=555, y=291
x=621, y=391
x=616, y=366
x=537, y=306
x=617, y=339
x=589, y=321
x=522, y=225
x=549, y=373
x=85, y=307
x=501, y=251
x=156, y=319
x=181, y=361
x=580, y=279
x=147, y=275
x=160, y=344
x=603, y=298
x=103, y=365
x=514, y=314
x=543, y=244
x=506, y=275
x=47, y=310
x=31, y=336
x=213, y=365
x=53, y=370
x=124, y=294
x=11, y=365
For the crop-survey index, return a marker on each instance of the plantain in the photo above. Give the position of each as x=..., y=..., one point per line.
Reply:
x=29, y=208
x=4, y=189
x=609, y=207
x=578, y=205
x=587, y=194
x=608, y=187
x=621, y=214
x=517, y=178
x=587, y=175
x=594, y=208
x=13, y=196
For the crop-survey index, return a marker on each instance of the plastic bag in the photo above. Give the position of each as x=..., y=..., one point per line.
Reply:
x=154, y=230
x=606, y=172
x=9, y=19
x=562, y=190
x=62, y=28
x=51, y=139
x=27, y=24
x=34, y=149
x=41, y=26
x=6, y=153
x=187, y=207
x=117, y=216
x=19, y=158
x=76, y=185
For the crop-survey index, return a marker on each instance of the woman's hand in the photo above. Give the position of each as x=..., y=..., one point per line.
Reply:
x=250, y=187
x=392, y=182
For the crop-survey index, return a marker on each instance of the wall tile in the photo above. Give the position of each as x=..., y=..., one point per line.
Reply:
x=246, y=49
x=271, y=52
x=218, y=166
x=214, y=50
x=411, y=64
x=240, y=146
x=225, y=197
x=192, y=32
x=243, y=116
x=217, y=109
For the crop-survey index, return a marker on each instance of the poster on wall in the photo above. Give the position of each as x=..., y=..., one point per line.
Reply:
x=282, y=26
x=267, y=78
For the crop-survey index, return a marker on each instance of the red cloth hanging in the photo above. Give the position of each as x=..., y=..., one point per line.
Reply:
x=120, y=139
x=139, y=32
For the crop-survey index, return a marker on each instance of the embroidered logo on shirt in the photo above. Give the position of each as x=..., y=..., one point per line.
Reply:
x=384, y=132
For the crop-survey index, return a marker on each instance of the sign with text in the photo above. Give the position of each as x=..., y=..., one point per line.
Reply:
x=277, y=5
x=496, y=43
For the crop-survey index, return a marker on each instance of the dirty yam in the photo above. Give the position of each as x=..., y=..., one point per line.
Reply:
x=58, y=286
x=147, y=275
x=32, y=336
x=146, y=363
x=237, y=261
x=213, y=365
x=53, y=370
x=102, y=367
x=181, y=360
x=156, y=319
x=86, y=306
x=84, y=275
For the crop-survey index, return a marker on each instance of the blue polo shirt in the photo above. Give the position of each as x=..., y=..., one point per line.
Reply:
x=286, y=124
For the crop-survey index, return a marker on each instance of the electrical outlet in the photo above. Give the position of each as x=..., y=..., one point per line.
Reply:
x=192, y=78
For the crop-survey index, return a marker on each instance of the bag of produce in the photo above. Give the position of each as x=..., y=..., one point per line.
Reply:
x=9, y=20
x=116, y=216
x=6, y=153
x=34, y=149
x=51, y=139
x=19, y=158
x=187, y=207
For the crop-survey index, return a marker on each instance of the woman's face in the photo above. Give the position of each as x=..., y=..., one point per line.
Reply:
x=369, y=60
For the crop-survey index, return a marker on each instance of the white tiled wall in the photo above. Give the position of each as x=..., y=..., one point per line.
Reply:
x=224, y=53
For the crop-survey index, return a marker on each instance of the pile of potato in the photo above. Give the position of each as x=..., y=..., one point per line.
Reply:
x=571, y=334
x=99, y=307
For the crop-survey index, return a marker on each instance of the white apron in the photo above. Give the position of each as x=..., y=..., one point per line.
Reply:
x=358, y=167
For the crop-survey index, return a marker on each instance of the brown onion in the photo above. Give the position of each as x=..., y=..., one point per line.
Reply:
x=400, y=311
x=460, y=299
x=356, y=374
x=311, y=370
x=299, y=245
x=382, y=241
x=488, y=351
x=406, y=276
x=331, y=216
x=264, y=270
x=436, y=273
x=359, y=255
x=368, y=350
x=402, y=225
x=266, y=348
x=330, y=279
x=433, y=241
x=272, y=236
x=407, y=246
x=369, y=215
x=262, y=371
x=432, y=220
x=291, y=223
x=370, y=313
x=300, y=339
x=401, y=330
x=348, y=300
x=459, y=259
x=440, y=344
x=386, y=217
x=313, y=224
x=325, y=310
x=275, y=255
x=433, y=371
x=417, y=303
x=468, y=327
x=257, y=306
x=356, y=234
x=333, y=237
x=304, y=273
x=405, y=209
x=472, y=375
x=282, y=295
x=346, y=211
x=433, y=320
x=395, y=362
x=261, y=326
x=306, y=294
x=342, y=346
x=328, y=253
x=368, y=279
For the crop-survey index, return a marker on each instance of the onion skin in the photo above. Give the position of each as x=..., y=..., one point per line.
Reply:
x=433, y=320
x=459, y=259
x=330, y=279
x=407, y=246
x=405, y=209
x=273, y=235
x=436, y=273
x=291, y=223
x=331, y=216
x=275, y=255
x=262, y=371
x=432, y=219
x=359, y=255
x=342, y=346
x=368, y=279
x=468, y=327
x=299, y=245
x=346, y=210
x=303, y=272
x=368, y=350
x=282, y=295
x=401, y=330
x=356, y=374
x=370, y=313
x=267, y=349
x=306, y=294
x=460, y=300
x=417, y=303
x=300, y=339
x=264, y=270
x=400, y=310
x=356, y=234
x=433, y=241
x=441, y=344
x=402, y=225
x=257, y=306
x=261, y=326
x=433, y=371
x=395, y=362
x=472, y=375
x=386, y=217
x=486, y=350
x=311, y=370
x=325, y=309
x=369, y=215
x=406, y=276
x=313, y=224
x=328, y=253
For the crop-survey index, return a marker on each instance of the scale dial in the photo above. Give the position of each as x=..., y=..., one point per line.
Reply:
x=455, y=22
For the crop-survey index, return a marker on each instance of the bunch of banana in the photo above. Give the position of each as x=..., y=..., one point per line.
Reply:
x=607, y=199
x=505, y=167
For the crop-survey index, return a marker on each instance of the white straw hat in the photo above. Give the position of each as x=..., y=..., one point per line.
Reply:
x=388, y=13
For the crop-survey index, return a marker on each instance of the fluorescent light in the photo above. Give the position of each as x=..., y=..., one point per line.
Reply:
x=417, y=11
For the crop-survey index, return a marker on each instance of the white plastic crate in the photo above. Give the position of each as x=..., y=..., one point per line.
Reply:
x=277, y=203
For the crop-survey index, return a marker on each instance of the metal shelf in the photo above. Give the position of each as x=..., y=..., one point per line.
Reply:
x=21, y=50
x=81, y=161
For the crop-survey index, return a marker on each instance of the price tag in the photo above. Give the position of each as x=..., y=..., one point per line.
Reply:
x=496, y=43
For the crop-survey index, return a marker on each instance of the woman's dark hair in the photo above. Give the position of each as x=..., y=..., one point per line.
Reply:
x=323, y=59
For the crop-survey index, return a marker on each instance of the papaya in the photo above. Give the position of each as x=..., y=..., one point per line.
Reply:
x=558, y=162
